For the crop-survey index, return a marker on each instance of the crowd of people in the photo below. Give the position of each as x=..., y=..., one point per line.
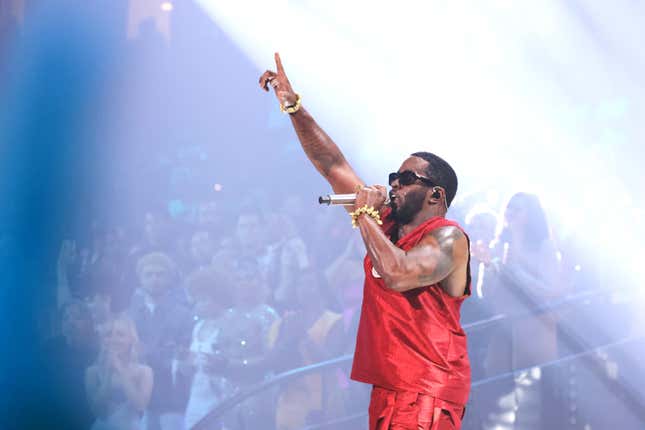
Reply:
x=190, y=314
x=157, y=329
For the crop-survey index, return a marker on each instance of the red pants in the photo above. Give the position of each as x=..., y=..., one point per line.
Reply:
x=396, y=410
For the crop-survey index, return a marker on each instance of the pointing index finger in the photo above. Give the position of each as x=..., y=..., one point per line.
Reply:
x=278, y=64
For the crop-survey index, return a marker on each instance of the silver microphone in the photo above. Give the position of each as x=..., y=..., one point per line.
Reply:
x=342, y=199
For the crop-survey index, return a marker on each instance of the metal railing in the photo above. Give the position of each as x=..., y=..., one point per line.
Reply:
x=485, y=381
x=621, y=388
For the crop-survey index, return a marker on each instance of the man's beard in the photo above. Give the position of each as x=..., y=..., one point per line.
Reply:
x=405, y=213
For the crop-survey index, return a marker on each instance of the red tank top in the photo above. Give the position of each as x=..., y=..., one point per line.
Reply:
x=412, y=341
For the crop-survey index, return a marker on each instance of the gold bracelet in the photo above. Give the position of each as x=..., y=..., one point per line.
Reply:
x=367, y=210
x=293, y=108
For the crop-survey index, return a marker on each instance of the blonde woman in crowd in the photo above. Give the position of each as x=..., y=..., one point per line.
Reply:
x=118, y=386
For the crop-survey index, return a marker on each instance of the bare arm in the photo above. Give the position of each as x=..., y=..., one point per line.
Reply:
x=442, y=253
x=137, y=386
x=441, y=256
x=324, y=154
x=319, y=147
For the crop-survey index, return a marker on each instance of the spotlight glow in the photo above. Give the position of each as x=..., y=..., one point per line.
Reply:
x=516, y=97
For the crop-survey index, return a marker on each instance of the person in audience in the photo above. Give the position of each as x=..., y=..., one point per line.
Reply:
x=211, y=292
x=210, y=219
x=103, y=286
x=317, y=334
x=164, y=321
x=526, y=264
x=250, y=236
x=202, y=250
x=345, y=278
x=159, y=236
x=246, y=344
x=67, y=356
x=290, y=255
x=481, y=224
x=118, y=385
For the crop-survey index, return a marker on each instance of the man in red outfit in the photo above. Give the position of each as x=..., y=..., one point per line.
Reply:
x=410, y=345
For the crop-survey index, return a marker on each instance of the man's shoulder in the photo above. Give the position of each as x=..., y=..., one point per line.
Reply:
x=450, y=241
x=447, y=230
x=448, y=237
x=441, y=227
x=437, y=226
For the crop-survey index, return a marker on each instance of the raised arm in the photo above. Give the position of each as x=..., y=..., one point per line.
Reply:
x=320, y=149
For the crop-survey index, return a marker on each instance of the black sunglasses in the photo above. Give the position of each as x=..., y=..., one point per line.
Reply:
x=408, y=177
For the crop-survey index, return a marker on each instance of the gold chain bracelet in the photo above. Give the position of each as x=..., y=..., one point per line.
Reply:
x=292, y=108
x=367, y=210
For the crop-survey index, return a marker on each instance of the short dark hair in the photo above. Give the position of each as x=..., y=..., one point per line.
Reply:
x=441, y=173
